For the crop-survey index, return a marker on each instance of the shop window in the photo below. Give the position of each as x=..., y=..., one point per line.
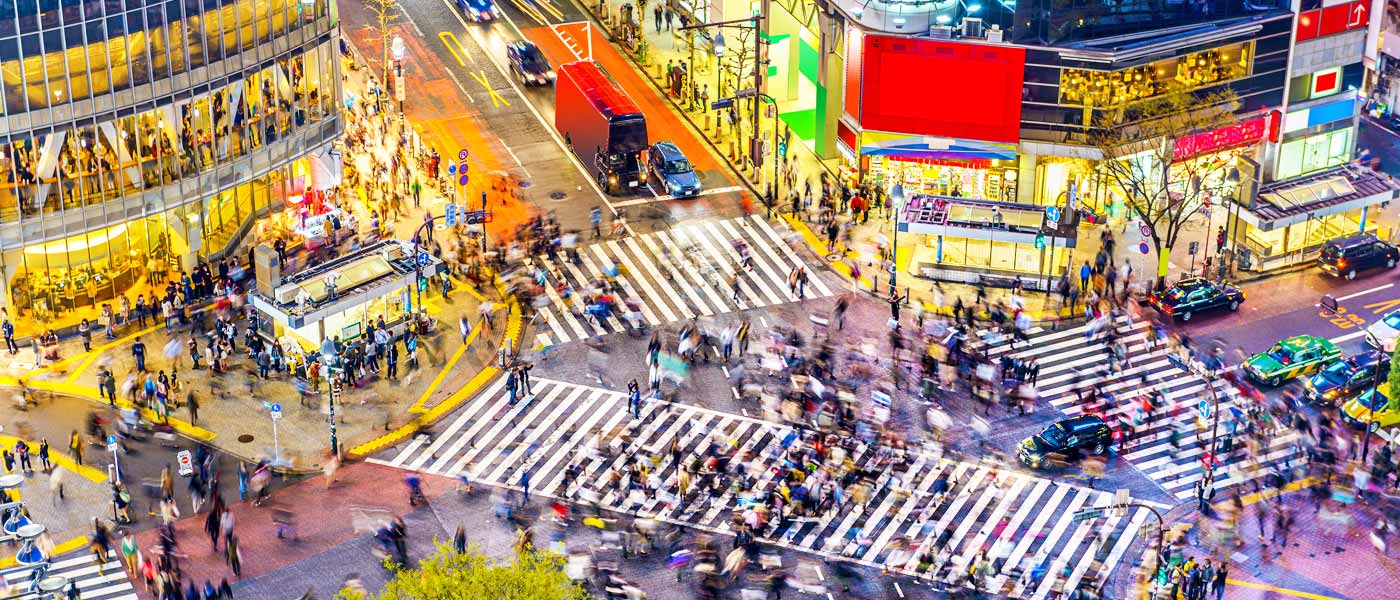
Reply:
x=1084, y=87
x=1314, y=153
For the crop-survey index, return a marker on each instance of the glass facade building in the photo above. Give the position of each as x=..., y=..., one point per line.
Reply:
x=138, y=137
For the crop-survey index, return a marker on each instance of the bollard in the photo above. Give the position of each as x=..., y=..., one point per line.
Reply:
x=732, y=155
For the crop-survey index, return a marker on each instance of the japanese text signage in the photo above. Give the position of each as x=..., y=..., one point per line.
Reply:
x=1197, y=144
x=1347, y=16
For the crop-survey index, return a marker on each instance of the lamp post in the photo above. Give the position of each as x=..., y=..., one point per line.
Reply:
x=897, y=196
x=398, y=50
x=719, y=70
x=753, y=23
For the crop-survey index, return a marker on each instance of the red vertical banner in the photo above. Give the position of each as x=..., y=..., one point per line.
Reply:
x=855, y=46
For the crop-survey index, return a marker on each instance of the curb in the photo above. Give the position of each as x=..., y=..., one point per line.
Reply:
x=513, y=332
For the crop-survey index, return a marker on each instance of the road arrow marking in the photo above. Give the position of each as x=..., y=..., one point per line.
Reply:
x=1380, y=307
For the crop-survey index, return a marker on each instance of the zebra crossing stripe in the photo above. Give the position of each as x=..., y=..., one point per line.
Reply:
x=564, y=420
x=777, y=242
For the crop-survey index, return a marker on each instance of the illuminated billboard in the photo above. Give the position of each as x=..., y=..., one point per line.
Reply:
x=940, y=88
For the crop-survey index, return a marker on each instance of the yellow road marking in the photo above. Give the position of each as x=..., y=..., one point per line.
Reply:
x=513, y=329
x=417, y=407
x=530, y=11
x=455, y=46
x=549, y=6
x=58, y=458
x=58, y=550
x=1285, y=591
x=103, y=349
x=496, y=99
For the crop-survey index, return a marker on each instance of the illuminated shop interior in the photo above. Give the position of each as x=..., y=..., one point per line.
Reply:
x=1085, y=87
x=981, y=179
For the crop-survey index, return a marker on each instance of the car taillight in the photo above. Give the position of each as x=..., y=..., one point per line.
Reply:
x=1167, y=309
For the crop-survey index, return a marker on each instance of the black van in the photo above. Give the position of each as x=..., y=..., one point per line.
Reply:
x=1344, y=257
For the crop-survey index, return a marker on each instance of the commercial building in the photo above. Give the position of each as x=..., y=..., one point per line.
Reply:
x=139, y=137
x=985, y=112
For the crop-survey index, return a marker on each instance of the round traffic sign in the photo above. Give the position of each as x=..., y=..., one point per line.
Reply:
x=276, y=408
x=451, y=168
x=1142, y=247
x=1203, y=408
x=1146, y=231
x=462, y=154
x=463, y=179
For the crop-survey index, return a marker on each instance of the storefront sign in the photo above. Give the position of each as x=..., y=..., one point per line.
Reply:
x=1347, y=16
x=1205, y=142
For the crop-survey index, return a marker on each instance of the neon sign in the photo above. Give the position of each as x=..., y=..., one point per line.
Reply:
x=1197, y=144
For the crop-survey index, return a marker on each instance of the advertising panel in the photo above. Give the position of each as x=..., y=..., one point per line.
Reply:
x=940, y=88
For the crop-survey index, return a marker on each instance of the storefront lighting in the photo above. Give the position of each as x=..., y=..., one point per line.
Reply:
x=973, y=9
x=1010, y=176
x=900, y=21
x=77, y=243
x=943, y=19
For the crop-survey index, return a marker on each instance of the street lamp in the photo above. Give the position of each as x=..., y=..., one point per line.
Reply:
x=719, y=69
x=897, y=196
x=396, y=47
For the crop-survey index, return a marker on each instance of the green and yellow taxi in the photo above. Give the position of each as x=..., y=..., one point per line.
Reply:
x=1372, y=407
x=1297, y=356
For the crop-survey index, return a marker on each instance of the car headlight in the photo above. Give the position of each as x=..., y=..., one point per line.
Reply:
x=674, y=187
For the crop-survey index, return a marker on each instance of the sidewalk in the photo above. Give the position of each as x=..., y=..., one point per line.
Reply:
x=231, y=413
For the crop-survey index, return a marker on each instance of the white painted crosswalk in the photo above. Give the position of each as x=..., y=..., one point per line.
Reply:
x=676, y=274
x=928, y=516
x=94, y=581
x=1070, y=362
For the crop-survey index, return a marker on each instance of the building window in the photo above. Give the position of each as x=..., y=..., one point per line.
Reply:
x=1314, y=153
x=1084, y=87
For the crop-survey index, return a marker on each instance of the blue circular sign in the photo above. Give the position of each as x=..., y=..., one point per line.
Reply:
x=451, y=168
x=463, y=179
x=1052, y=213
x=1142, y=247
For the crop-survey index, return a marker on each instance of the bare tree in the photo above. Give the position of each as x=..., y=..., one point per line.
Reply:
x=386, y=15
x=1139, y=144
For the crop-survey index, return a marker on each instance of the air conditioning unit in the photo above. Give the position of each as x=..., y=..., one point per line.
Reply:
x=972, y=28
x=995, y=34
x=941, y=32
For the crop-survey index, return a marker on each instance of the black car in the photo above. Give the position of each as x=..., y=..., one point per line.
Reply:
x=1347, y=379
x=529, y=64
x=1194, y=295
x=1344, y=257
x=1070, y=436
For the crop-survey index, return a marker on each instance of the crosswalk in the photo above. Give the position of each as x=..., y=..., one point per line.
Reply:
x=675, y=274
x=1024, y=520
x=1069, y=362
x=95, y=582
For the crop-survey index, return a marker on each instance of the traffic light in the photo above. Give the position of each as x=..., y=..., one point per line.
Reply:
x=1039, y=241
x=475, y=217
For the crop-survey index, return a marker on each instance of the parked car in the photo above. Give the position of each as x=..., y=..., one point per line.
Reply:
x=1066, y=437
x=1194, y=295
x=670, y=168
x=1343, y=380
x=1345, y=257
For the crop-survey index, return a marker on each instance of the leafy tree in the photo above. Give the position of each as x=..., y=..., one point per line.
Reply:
x=1138, y=143
x=1393, y=381
x=448, y=575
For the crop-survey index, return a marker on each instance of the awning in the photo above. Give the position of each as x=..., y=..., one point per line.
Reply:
x=915, y=147
x=1329, y=192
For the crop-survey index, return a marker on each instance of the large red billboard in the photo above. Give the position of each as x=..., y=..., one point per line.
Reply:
x=947, y=89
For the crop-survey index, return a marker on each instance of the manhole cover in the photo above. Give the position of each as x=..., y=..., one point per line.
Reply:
x=557, y=195
x=834, y=257
x=525, y=184
x=245, y=438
